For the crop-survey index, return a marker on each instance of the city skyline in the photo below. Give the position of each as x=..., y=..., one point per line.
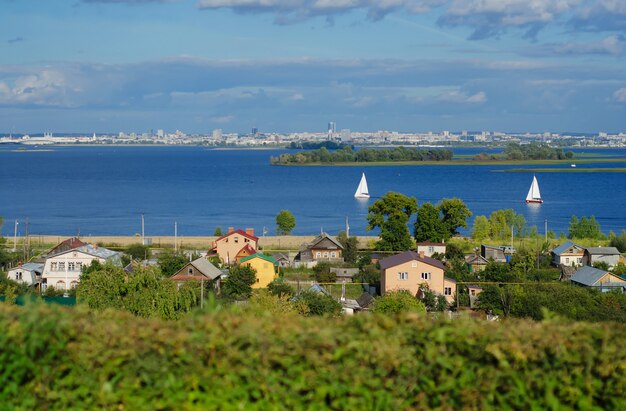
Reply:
x=291, y=66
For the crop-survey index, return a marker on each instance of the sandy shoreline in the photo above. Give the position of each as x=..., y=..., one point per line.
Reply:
x=288, y=242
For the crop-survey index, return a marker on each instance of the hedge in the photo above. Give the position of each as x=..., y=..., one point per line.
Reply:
x=58, y=358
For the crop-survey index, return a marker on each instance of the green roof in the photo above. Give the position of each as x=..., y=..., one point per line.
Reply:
x=261, y=256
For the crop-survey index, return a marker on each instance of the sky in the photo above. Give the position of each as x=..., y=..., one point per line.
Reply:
x=294, y=65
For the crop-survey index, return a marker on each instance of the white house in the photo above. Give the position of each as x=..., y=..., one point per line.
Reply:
x=29, y=273
x=568, y=254
x=62, y=270
x=429, y=248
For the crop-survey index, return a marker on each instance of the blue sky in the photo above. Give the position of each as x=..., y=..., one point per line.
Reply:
x=293, y=65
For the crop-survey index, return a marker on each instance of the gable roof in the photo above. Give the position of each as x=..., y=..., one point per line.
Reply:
x=588, y=275
x=476, y=259
x=32, y=267
x=201, y=264
x=602, y=250
x=407, y=256
x=95, y=251
x=246, y=249
x=69, y=244
x=240, y=232
x=321, y=238
x=564, y=247
x=431, y=244
x=258, y=255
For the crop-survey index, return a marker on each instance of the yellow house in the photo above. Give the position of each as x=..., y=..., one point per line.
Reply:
x=409, y=270
x=265, y=266
x=234, y=245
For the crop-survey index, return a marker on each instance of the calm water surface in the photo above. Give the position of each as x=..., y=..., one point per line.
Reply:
x=104, y=191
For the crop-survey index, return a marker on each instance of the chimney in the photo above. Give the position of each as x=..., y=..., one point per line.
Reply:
x=250, y=231
x=231, y=229
x=421, y=253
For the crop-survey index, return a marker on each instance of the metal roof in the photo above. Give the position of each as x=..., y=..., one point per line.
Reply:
x=603, y=250
x=205, y=267
x=259, y=255
x=409, y=256
x=564, y=247
x=588, y=276
x=30, y=267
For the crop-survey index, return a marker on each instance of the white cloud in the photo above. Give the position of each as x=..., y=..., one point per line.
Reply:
x=457, y=96
x=620, y=95
x=223, y=119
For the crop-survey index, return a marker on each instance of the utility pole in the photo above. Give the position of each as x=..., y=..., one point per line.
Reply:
x=202, y=292
x=143, y=239
x=15, y=237
x=546, y=230
x=175, y=236
x=26, y=245
x=347, y=228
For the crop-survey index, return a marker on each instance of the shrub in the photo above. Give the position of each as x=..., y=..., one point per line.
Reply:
x=56, y=359
x=279, y=288
x=319, y=304
x=395, y=302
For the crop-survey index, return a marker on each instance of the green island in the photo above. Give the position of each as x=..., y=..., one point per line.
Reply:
x=566, y=170
x=514, y=153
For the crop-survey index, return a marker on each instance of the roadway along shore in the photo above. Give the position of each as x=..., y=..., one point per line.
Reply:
x=286, y=242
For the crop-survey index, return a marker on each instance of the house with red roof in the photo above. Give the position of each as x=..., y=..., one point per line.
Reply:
x=235, y=245
x=409, y=270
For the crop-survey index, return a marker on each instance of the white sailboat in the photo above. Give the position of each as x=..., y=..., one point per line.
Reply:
x=361, y=190
x=534, y=196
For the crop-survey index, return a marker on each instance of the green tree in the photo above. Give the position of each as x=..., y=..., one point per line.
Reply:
x=280, y=288
x=238, y=284
x=619, y=241
x=102, y=286
x=395, y=302
x=218, y=231
x=391, y=214
x=319, y=304
x=584, y=228
x=481, y=228
x=350, y=247
x=601, y=265
x=138, y=252
x=322, y=273
x=455, y=214
x=285, y=222
x=170, y=262
x=429, y=226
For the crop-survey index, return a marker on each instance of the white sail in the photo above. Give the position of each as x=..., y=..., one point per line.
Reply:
x=534, y=196
x=362, y=191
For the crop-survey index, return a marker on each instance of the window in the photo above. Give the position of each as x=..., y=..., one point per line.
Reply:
x=246, y=240
x=333, y=254
x=236, y=239
x=60, y=285
x=190, y=271
x=567, y=260
x=61, y=266
x=325, y=254
x=447, y=291
x=580, y=260
x=79, y=266
x=18, y=275
x=54, y=267
x=318, y=254
x=431, y=249
x=473, y=292
x=403, y=276
x=414, y=264
x=71, y=266
x=73, y=284
x=425, y=276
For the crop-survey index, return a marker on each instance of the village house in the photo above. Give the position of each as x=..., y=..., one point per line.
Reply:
x=69, y=244
x=473, y=291
x=429, y=248
x=568, y=254
x=593, y=277
x=499, y=254
x=609, y=255
x=62, y=270
x=29, y=273
x=265, y=267
x=199, y=269
x=235, y=245
x=476, y=263
x=322, y=248
x=409, y=270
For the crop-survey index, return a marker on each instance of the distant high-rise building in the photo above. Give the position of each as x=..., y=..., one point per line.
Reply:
x=217, y=134
x=332, y=127
x=346, y=135
x=255, y=131
x=160, y=133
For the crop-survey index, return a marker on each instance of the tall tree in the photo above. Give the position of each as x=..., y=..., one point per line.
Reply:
x=285, y=222
x=391, y=213
x=238, y=284
x=454, y=214
x=480, y=230
x=429, y=225
x=350, y=247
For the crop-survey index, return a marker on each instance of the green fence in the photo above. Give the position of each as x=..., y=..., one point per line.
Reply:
x=59, y=300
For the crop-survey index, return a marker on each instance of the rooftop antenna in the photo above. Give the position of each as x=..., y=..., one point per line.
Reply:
x=15, y=237
x=175, y=236
x=347, y=228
